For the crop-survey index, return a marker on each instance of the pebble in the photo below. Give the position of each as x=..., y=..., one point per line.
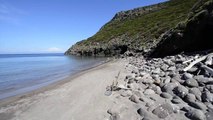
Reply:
x=165, y=95
x=196, y=115
x=126, y=93
x=142, y=74
x=108, y=92
x=172, y=68
x=190, y=98
x=201, y=79
x=155, y=77
x=207, y=96
x=142, y=112
x=193, y=69
x=164, y=67
x=149, y=103
x=169, y=87
x=191, y=83
x=176, y=108
x=210, y=88
x=181, y=91
x=148, y=81
x=187, y=76
x=176, y=101
x=162, y=74
x=209, y=115
x=177, y=79
x=163, y=111
x=172, y=74
x=168, y=62
x=167, y=80
x=149, y=92
x=138, y=79
x=156, y=71
x=198, y=105
x=209, y=106
x=196, y=92
x=134, y=99
x=134, y=86
x=158, y=90
x=186, y=109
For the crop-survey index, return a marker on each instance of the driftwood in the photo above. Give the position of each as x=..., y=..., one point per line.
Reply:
x=208, y=61
x=190, y=59
x=115, y=86
x=194, y=63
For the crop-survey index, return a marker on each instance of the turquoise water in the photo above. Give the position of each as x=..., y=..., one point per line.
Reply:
x=20, y=73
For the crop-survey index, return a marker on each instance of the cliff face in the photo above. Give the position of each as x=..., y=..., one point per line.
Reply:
x=132, y=14
x=193, y=34
x=136, y=30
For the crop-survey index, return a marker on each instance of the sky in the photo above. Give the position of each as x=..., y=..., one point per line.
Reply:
x=49, y=26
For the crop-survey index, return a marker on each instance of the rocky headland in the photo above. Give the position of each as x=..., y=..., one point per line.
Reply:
x=136, y=30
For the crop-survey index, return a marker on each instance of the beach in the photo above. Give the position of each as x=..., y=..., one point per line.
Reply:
x=78, y=97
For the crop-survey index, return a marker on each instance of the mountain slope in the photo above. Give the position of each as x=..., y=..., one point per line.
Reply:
x=195, y=33
x=135, y=29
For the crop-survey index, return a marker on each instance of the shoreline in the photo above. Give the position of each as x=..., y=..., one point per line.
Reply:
x=8, y=100
x=93, y=80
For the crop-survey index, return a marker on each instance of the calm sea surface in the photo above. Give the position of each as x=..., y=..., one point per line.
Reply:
x=20, y=73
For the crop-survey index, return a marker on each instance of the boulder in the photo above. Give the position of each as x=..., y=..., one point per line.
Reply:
x=207, y=96
x=181, y=91
x=163, y=111
x=191, y=83
x=196, y=115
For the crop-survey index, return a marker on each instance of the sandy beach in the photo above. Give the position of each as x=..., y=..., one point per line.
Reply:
x=76, y=98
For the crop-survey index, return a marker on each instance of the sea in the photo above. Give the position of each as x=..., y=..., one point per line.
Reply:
x=22, y=73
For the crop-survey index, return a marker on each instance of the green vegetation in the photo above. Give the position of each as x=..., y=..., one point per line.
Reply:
x=148, y=26
x=138, y=29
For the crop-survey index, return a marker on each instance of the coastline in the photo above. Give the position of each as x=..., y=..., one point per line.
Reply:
x=9, y=107
x=50, y=86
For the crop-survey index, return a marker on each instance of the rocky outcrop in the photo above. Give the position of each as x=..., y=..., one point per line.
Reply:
x=114, y=47
x=194, y=34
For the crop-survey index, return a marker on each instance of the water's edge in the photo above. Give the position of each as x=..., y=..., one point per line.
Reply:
x=22, y=73
x=50, y=86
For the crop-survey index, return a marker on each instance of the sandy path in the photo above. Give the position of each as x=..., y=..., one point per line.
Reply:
x=81, y=98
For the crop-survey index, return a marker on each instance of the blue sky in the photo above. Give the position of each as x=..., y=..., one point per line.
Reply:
x=43, y=26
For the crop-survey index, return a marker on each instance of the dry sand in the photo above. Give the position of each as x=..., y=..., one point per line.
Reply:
x=80, y=98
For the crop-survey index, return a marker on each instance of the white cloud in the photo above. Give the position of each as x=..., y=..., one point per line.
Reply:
x=54, y=49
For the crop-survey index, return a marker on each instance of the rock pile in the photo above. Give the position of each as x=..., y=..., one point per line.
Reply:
x=174, y=87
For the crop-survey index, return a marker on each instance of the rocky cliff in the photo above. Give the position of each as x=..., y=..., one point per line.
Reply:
x=135, y=30
x=193, y=34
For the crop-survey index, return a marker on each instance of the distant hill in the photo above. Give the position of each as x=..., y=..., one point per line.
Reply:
x=135, y=30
